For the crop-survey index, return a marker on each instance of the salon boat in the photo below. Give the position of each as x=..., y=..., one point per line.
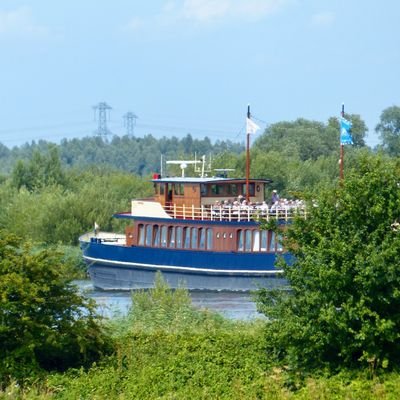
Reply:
x=201, y=232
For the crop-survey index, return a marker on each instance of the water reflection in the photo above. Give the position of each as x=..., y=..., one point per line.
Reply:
x=233, y=305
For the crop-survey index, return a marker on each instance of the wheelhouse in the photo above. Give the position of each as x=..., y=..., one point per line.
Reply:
x=199, y=192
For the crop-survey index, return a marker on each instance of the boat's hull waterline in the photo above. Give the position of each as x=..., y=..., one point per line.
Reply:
x=113, y=268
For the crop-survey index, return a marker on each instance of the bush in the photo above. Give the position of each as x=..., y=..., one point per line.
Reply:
x=343, y=307
x=45, y=324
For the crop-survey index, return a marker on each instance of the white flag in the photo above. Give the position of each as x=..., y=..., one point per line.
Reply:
x=251, y=127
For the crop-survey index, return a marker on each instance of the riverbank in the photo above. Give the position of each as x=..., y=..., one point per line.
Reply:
x=165, y=348
x=231, y=305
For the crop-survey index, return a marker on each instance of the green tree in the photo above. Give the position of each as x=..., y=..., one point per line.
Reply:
x=45, y=324
x=300, y=139
x=344, y=305
x=389, y=130
x=42, y=170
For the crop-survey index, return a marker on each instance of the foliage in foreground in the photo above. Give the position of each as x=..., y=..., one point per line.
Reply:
x=45, y=324
x=189, y=353
x=343, y=309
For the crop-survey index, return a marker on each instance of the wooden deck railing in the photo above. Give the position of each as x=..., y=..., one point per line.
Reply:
x=220, y=213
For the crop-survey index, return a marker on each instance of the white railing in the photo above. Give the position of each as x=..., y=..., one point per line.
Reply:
x=242, y=213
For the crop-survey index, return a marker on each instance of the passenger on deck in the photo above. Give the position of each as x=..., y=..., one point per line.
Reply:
x=263, y=207
x=274, y=197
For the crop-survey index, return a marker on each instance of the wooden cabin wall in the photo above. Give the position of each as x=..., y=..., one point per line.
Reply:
x=190, y=197
x=130, y=235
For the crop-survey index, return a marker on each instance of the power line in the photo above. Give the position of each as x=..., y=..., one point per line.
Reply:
x=44, y=127
x=196, y=131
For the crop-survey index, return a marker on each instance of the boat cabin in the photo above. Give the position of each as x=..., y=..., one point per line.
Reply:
x=206, y=191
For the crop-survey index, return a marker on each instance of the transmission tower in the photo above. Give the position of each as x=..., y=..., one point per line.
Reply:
x=130, y=122
x=102, y=109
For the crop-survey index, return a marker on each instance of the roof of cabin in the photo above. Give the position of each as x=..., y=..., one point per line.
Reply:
x=214, y=179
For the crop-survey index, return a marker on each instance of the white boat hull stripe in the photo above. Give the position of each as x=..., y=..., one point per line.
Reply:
x=177, y=268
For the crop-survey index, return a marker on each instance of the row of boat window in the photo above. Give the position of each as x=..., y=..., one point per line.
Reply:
x=253, y=240
x=179, y=237
x=176, y=237
x=231, y=189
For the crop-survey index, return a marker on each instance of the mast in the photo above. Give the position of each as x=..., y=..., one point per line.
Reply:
x=247, y=157
x=341, y=161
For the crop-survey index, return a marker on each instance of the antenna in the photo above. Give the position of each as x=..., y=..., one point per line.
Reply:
x=102, y=109
x=203, y=169
x=183, y=164
x=130, y=122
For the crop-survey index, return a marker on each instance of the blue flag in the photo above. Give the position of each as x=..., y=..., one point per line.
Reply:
x=345, y=135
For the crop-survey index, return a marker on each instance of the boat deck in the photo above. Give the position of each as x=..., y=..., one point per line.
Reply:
x=110, y=238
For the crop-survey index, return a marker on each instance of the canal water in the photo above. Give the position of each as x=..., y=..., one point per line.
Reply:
x=233, y=305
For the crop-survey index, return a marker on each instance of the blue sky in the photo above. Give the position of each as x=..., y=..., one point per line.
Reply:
x=192, y=66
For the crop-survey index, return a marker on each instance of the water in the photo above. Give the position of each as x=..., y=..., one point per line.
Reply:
x=233, y=305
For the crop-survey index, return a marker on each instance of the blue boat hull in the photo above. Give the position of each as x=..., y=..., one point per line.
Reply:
x=119, y=267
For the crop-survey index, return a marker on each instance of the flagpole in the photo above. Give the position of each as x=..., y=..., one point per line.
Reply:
x=248, y=158
x=341, y=162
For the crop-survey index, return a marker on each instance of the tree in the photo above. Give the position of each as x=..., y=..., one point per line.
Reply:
x=44, y=322
x=300, y=139
x=42, y=170
x=343, y=308
x=389, y=130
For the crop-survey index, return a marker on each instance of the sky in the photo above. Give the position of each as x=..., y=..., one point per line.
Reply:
x=193, y=66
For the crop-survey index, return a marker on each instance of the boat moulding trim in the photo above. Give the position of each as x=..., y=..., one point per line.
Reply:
x=210, y=271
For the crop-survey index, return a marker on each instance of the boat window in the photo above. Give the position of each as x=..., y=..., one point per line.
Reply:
x=141, y=235
x=240, y=240
x=264, y=236
x=149, y=235
x=233, y=189
x=171, y=236
x=251, y=189
x=203, y=189
x=156, y=236
x=186, y=242
x=247, y=240
x=179, y=233
x=256, y=241
x=164, y=236
x=202, y=235
x=272, y=242
x=209, y=239
x=194, y=238
x=279, y=244
x=179, y=189
x=162, y=188
x=216, y=189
